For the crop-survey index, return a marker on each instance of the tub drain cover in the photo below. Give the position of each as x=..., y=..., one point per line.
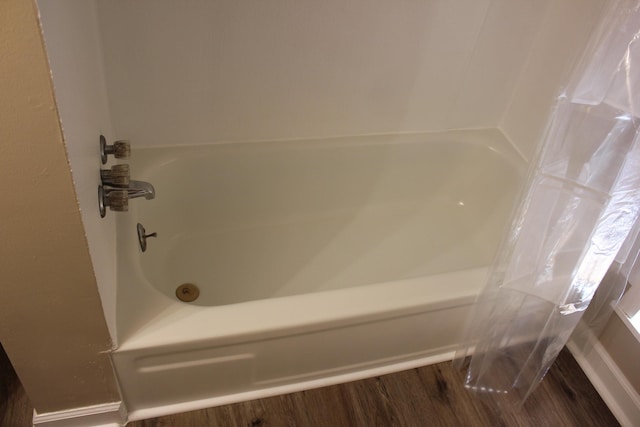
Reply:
x=187, y=292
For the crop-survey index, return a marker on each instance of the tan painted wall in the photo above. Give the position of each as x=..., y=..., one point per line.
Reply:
x=51, y=321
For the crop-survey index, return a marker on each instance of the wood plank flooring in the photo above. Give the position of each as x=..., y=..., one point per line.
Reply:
x=428, y=396
x=15, y=408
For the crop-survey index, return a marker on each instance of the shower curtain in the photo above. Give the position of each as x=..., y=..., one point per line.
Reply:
x=580, y=205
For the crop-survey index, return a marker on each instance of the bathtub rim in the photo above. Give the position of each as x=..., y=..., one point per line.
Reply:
x=179, y=324
x=142, y=326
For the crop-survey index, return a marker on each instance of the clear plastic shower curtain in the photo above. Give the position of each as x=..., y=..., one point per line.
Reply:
x=580, y=206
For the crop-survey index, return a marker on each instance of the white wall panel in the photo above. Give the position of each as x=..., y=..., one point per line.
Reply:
x=209, y=71
x=559, y=43
x=73, y=47
x=500, y=54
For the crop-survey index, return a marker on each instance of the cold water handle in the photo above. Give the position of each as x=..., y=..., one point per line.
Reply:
x=119, y=149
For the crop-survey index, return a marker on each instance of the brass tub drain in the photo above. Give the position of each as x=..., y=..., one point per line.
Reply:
x=187, y=292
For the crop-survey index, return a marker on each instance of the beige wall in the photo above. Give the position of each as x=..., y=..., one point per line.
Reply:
x=51, y=321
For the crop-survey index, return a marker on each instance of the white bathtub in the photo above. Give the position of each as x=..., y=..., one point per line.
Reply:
x=318, y=261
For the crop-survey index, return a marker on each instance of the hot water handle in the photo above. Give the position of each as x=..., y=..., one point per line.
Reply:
x=119, y=149
x=117, y=176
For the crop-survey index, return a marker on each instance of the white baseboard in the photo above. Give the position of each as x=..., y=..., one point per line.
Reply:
x=605, y=375
x=103, y=415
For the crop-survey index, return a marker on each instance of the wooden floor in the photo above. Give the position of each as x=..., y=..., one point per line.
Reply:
x=429, y=396
x=15, y=408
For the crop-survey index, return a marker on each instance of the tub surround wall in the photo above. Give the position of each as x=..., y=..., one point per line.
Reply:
x=236, y=71
x=561, y=38
x=283, y=69
x=74, y=50
x=492, y=70
x=51, y=321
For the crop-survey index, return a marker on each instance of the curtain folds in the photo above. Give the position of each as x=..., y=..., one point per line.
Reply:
x=580, y=206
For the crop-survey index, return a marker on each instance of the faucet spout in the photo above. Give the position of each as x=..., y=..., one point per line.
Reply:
x=141, y=189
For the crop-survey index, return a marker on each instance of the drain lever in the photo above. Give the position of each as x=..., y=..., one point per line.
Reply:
x=142, y=237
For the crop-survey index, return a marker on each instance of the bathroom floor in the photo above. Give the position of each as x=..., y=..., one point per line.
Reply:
x=428, y=396
x=15, y=408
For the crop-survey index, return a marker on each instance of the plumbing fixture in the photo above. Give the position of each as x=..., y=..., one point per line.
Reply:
x=141, y=189
x=112, y=198
x=117, y=176
x=119, y=149
x=142, y=237
x=117, y=187
x=116, y=198
x=187, y=292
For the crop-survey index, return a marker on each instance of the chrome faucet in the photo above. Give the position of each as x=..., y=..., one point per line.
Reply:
x=141, y=189
x=117, y=188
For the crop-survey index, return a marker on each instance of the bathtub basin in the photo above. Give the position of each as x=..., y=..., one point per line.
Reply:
x=317, y=261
